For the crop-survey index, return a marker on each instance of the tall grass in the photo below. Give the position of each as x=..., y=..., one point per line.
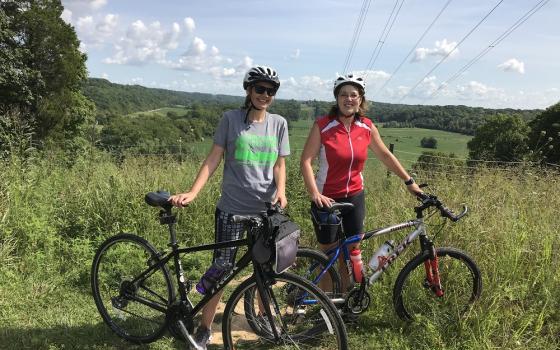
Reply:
x=53, y=217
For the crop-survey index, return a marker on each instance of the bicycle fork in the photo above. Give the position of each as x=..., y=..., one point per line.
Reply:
x=432, y=272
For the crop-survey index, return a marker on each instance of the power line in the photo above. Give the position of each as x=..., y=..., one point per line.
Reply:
x=383, y=37
x=414, y=47
x=357, y=31
x=450, y=52
x=493, y=44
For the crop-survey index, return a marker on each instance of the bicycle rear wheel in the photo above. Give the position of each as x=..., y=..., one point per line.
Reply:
x=136, y=311
x=460, y=280
x=303, y=316
x=310, y=263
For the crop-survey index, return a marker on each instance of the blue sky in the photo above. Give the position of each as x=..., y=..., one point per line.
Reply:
x=207, y=46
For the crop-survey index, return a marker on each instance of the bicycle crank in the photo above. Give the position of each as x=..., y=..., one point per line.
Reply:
x=356, y=304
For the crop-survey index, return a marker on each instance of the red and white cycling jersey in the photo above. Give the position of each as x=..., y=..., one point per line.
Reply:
x=342, y=156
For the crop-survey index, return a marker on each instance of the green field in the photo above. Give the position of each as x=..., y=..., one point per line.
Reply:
x=406, y=141
x=179, y=110
x=52, y=218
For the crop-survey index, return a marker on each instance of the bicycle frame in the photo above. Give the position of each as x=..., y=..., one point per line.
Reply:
x=342, y=247
x=184, y=286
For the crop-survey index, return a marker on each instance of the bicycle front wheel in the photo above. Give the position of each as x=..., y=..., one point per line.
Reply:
x=309, y=265
x=134, y=310
x=414, y=294
x=302, y=317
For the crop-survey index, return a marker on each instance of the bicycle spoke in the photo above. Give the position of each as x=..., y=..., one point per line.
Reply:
x=135, y=312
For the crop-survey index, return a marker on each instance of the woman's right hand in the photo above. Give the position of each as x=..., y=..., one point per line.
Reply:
x=321, y=200
x=182, y=199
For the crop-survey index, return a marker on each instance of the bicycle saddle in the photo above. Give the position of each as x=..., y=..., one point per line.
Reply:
x=158, y=199
x=342, y=207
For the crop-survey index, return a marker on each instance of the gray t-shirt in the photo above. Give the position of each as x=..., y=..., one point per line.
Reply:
x=251, y=150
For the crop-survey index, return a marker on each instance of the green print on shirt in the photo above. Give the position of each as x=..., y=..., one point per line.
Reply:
x=256, y=150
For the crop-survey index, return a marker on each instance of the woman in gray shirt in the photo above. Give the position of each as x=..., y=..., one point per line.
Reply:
x=254, y=144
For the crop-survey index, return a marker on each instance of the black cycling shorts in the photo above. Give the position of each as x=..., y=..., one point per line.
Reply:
x=352, y=220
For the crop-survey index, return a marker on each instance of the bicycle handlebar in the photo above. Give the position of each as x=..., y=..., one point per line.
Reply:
x=429, y=200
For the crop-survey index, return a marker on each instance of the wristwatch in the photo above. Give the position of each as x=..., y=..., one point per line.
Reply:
x=409, y=182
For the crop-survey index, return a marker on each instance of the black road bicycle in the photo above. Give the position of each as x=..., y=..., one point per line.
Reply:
x=134, y=290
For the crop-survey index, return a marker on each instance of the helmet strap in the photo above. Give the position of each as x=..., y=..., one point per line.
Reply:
x=249, y=110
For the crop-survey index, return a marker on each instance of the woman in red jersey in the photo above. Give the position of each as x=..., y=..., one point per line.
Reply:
x=341, y=139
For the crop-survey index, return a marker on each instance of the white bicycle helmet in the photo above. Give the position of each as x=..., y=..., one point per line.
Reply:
x=348, y=79
x=261, y=73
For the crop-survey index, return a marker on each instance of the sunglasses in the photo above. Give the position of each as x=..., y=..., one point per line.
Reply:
x=259, y=89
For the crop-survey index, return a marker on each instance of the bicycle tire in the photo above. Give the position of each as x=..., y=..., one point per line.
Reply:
x=460, y=279
x=316, y=324
x=309, y=263
x=117, y=261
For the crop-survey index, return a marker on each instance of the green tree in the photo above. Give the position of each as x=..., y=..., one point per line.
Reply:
x=41, y=70
x=428, y=142
x=544, y=138
x=502, y=137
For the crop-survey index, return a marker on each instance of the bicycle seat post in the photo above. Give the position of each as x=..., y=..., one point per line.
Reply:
x=166, y=217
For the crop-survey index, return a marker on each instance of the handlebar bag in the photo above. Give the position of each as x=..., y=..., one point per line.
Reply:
x=278, y=243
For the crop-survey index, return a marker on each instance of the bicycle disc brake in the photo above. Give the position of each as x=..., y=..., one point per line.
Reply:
x=356, y=305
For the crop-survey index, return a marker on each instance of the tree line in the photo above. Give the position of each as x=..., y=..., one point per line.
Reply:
x=46, y=97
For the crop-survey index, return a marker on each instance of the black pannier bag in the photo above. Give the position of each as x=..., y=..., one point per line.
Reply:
x=278, y=243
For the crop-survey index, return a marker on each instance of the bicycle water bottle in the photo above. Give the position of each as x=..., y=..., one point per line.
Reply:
x=357, y=264
x=381, y=254
x=212, y=276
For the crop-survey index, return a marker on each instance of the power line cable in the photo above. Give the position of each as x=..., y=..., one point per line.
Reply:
x=357, y=32
x=414, y=47
x=450, y=52
x=493, y=44
x=383, y=37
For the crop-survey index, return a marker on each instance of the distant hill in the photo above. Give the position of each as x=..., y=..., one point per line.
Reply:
x=117, y=100
x=461, y=119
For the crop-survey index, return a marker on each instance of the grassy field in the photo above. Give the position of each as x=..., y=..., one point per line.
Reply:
x=179, y=110
x=52, y=218
x=406, y=142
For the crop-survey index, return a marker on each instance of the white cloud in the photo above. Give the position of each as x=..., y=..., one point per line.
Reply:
x=83, y=7
x=105, y=76
x=197, y=48
x=513, y=65
x=145, y=43
x=108, y=24
x=94, y=35
x=189, y=24
x=97, y=4
x=66, y=16
x=442, y=48
x=308, y=86
x=82, y=47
